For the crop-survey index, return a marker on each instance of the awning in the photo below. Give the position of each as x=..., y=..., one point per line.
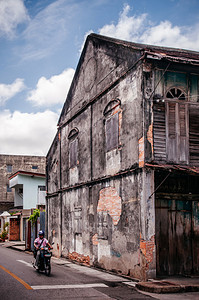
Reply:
x=5, y=214
x=186, y=169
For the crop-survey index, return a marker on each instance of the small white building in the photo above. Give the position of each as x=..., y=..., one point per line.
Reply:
x=29, y=189
x=30, y=193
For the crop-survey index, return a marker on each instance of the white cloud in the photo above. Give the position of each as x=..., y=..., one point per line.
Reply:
x=52, y=91
x=8, y=91
x=27, y=134
x=127, y=28
x=141, y=30
x=12, y=13
x=165, y=34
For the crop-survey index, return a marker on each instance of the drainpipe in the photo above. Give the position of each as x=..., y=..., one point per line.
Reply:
x=91, y=143
x=46, y=214
x=60, y=194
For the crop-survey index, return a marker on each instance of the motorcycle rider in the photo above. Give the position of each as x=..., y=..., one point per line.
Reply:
x=40, y=242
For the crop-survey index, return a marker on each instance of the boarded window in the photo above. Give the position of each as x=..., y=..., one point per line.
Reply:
x=73, y=147
x=102, y=229
x=9, y=168
x=112, y=132
x=73, y=152
x=78, y=220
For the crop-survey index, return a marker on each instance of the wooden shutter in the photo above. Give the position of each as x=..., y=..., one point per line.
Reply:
x=177, y=133
x=112, y=132
x=159, y=134
x=194, y=135
x=73, y=152
x=172, y=120
x=183, y=141
x=171, y=133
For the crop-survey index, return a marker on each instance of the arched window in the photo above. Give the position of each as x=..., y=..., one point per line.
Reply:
x=177, y=125
x=73, y=147
x=175, y=93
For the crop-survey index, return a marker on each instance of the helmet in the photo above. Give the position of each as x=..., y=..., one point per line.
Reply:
x=41, y=232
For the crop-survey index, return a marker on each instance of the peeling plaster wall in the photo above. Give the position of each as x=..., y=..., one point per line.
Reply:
x=147, y=225
x=106, y=226
x=102, y=223
x=53, y=224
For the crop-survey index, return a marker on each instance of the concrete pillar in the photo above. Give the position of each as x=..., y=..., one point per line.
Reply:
x=147, y=225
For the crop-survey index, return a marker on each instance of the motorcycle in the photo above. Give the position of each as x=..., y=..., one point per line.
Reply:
x=44, y=260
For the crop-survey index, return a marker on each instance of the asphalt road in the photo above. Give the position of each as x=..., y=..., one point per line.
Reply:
x=19, y=280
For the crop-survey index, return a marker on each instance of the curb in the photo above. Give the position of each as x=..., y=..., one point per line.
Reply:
x=165, y=287
x=16, y=248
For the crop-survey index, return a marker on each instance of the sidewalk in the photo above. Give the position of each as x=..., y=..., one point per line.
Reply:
x=16, y=245
x=173, y=284
x=158, y=286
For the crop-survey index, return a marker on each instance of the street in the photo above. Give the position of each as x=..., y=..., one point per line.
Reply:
x=19, y=280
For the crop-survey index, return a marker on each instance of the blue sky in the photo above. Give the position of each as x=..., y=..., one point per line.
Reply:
x=40, y=45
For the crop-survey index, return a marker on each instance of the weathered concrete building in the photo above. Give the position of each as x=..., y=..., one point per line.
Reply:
x=122, y=171
x=10, y=164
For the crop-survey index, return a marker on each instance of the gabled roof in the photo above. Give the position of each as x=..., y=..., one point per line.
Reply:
x=177, y=52
x=31, y=174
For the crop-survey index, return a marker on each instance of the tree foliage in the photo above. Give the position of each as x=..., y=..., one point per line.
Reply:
x=33, y=218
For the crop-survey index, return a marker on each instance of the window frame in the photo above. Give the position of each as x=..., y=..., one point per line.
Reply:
x=112, y=122
x=112, y=132
x=73, y=147
x=177, y=127
x=34, y=167
x=9, y=168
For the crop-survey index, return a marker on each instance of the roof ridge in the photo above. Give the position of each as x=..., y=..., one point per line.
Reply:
x=142, y=46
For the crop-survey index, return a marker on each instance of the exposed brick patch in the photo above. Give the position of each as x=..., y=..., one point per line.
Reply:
x=110, y=201
x=95, y=239
x=80, y=258
x=147, y=248
x=141, y=152
x=150, y=136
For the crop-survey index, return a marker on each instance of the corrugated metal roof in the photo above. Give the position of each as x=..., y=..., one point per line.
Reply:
x=187, y=169
x=175, y=52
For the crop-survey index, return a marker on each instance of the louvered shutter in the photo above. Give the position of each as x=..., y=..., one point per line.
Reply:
x=183, y=141
x=177, y=133
x=171, y=128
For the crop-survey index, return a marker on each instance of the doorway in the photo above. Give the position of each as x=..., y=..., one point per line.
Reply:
x=177, y=226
